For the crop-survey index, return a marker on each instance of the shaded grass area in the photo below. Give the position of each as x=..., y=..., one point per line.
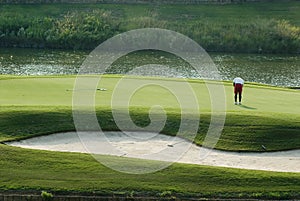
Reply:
x=242, y=132
x=264, y=27
x=252, y=131
x=23, y=170
x=18, y=123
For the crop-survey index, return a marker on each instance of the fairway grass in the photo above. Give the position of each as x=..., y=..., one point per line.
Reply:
x=32, y=106
x=67, y=173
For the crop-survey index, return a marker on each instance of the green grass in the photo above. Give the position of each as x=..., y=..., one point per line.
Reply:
x=42, y=105
x=22, y=169
x=268, y=27
x=233, y=12
x=32, y=106
x=244, y=12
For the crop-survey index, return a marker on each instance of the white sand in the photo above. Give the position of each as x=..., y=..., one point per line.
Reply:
x=161, y=147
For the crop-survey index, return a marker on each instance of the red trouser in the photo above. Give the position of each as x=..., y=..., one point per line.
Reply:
x=238, y=88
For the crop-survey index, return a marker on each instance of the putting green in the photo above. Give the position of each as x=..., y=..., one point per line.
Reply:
x=57, y=91
x=269, y=116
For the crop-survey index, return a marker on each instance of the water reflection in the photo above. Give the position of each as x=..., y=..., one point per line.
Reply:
x=39, y=62
x=277, y=70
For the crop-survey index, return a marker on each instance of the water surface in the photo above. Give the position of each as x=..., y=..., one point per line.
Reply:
x=277, y=70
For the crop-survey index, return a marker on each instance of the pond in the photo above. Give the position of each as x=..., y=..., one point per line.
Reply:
x=276, y=70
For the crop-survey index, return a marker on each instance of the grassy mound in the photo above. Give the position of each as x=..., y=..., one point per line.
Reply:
x=42, y=105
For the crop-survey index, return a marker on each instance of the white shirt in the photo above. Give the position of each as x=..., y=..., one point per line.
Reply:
x=238, y=80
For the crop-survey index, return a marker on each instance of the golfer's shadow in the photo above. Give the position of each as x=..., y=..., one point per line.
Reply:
x=248, y=107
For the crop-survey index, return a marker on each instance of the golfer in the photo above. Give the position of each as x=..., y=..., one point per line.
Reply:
x=238, y=84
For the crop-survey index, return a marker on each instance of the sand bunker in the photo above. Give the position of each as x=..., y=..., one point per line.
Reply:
x=161, y=147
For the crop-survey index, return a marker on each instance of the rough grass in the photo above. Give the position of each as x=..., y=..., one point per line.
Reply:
x=261, y=27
